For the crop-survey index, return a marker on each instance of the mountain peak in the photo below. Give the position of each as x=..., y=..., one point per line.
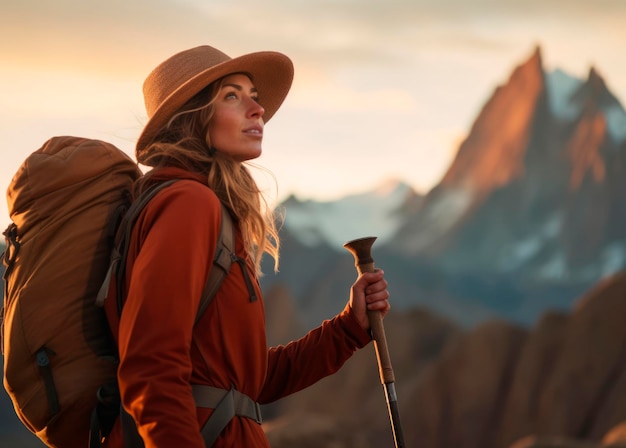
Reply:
x=536, y=58
x=593, y=98
x=379, y=211
x=594, y=93
x=493, y=153
x=392, y=186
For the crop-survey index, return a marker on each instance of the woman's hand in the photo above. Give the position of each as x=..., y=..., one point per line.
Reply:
x=369, y=292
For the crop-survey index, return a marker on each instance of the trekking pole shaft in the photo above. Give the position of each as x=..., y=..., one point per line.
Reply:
x=394, y=414
x=361, y=250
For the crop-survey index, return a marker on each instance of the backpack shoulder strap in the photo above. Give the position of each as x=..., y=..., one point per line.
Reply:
x=223, y=259
x=126, y=229
x=121, y=243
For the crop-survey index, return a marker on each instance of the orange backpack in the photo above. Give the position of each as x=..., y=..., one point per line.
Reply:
x=67, y=202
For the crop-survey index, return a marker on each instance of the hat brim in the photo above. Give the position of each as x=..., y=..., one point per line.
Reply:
x=271, y=73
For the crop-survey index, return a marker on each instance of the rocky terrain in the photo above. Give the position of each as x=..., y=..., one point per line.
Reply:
x=559, y=383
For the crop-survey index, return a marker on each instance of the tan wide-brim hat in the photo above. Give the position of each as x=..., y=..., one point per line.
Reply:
x=176, y=80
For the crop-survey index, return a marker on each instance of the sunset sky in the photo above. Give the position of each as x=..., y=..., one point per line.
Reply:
x=383, y=88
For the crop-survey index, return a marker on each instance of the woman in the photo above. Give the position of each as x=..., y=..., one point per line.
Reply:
x=206, y=118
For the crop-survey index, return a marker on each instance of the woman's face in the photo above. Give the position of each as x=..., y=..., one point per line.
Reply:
x=236, y=127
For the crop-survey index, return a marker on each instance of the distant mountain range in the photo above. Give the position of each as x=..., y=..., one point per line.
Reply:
x=530, y=214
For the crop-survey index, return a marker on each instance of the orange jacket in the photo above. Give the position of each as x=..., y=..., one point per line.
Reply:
x=161, y=351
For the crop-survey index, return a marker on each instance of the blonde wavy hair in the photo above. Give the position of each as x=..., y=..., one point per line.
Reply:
x=185, y=143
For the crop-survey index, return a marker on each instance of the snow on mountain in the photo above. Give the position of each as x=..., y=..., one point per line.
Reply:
x=372, y=213
x=616, y=122
x=560, y=88
x=435, y=221
x=523, y=250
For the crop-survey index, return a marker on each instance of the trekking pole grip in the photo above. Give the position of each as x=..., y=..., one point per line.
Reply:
x=361, y=250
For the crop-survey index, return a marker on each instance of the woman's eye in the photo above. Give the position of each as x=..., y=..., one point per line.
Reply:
x=255, y=98
x=230, y=95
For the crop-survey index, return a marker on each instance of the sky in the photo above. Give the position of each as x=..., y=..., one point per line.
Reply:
x=383, y=89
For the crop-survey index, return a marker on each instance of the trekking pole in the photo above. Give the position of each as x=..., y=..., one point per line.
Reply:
x=361, y=250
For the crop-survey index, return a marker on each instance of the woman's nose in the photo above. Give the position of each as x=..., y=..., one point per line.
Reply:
x=255, y=109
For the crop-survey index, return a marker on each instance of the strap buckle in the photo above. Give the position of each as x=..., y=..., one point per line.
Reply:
x=257, y=409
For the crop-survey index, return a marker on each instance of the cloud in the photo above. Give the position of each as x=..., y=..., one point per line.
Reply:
x=115, y=37
x=118, y=36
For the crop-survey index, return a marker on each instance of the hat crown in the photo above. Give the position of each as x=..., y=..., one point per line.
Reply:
x=174, y=72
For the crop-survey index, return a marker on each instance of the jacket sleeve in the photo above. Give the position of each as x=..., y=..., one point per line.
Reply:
x=177, y=234
x=320, y=353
